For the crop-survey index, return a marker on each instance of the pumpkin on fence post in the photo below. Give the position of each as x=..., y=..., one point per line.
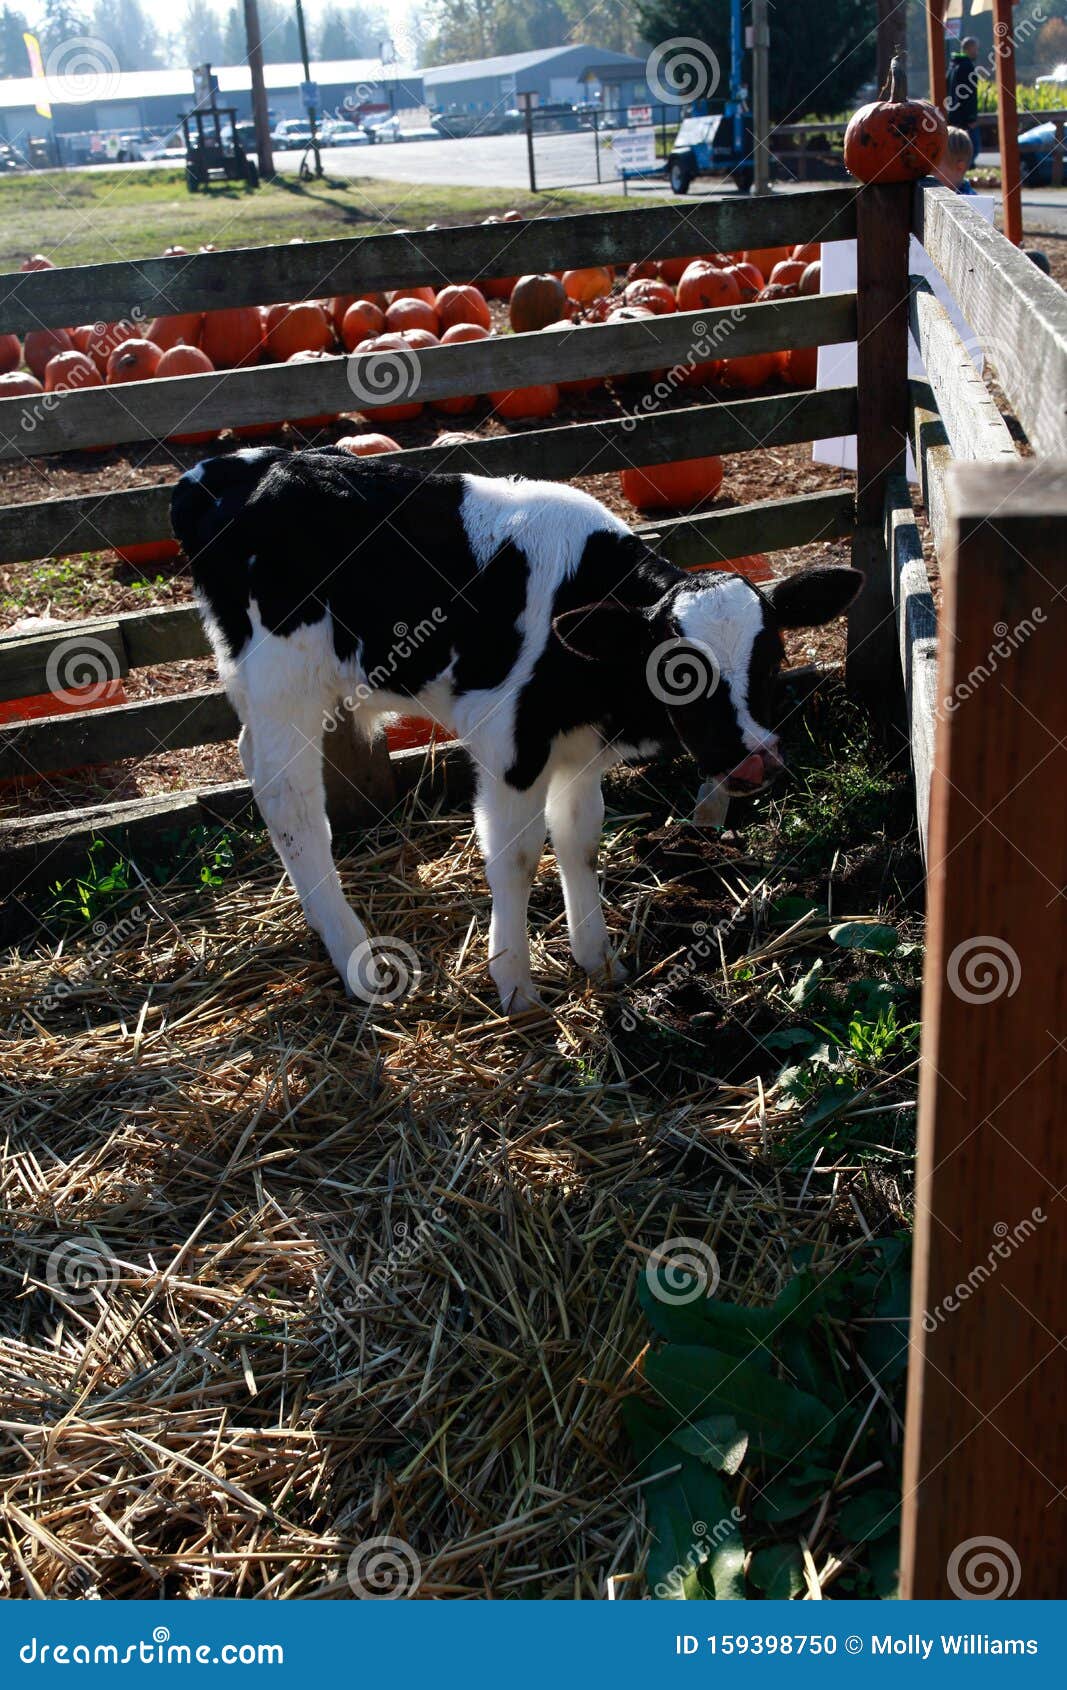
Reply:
x=895, y=139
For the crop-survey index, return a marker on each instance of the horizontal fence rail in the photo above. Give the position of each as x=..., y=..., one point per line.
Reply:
x=151, y=410
x=973, y=422
x=207, y=281
x=60, y=527
x=1018, y=313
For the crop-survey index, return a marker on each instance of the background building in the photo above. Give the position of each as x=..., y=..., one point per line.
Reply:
x=154, y=99
x=556, y=75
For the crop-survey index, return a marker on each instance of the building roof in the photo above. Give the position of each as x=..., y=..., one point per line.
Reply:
x=508, y=64
x=18, y=91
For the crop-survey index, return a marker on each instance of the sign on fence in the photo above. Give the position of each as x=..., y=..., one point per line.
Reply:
x=309, y=93
x=634, y=149
x=637, y=115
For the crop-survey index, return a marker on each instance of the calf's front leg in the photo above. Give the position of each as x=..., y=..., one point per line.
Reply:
x=575, y=821
x=511, y=831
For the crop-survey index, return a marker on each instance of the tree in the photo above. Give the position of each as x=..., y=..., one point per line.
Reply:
x=604, y=22
x=200, y=34
x=129, y=32
x=13, y=60
x=62, y=21
x=1051, y=46
x=813, y=71
x=281, y=42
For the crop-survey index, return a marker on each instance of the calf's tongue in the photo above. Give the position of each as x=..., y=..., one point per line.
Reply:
x=713, y=801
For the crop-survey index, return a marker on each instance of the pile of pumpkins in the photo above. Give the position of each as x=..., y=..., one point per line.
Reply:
x=63, y=360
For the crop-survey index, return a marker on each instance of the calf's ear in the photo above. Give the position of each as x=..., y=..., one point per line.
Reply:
x=813, y=596
x=605, y=632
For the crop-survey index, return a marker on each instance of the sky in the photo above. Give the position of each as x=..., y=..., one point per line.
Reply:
x=164, y=13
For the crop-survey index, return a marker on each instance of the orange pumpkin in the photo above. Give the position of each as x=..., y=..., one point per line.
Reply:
x=585, y=384
x=749, y=280
x=789, y=270
x=801, y=366
x=586, y=285
x=515, y=403
x=426, y=295
x=655, y=296
x=704, y=286
x=134, y=360
x=367, y=445
x=299, y=328
x=37, y=262
x=16, y=383
x=182, y=360
x=336, y=306
x=645, y=270
x=148, y=551
x=181, y=330
x=535, y=301
x=102, y=339
x=677, y=486
x=755, y=370
x=461, y=403
x=42, y=345
x=807, y=254
x=10, y=353
x=409, y=312
x=462, y=305
x=362, y=321
x=811, y=280
x=895, y=139
x=766, y=257
x=406, y=410
x=513, y=216
x=233, y=337
x=311, y=355
x=68, y=371
x=704, y=374
x=673, y=269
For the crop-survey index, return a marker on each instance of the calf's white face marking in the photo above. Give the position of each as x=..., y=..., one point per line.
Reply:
x=727, y=617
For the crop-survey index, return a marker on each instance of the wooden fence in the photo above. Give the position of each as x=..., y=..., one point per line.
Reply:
x=987, y=732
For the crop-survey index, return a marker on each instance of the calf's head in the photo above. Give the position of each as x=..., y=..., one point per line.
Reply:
x=708, y=653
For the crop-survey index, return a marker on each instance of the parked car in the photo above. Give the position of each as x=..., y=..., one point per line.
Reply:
x=292, y=133
x=337, y=132
x=382, y=128
x=425, y=133
x=1037, y=148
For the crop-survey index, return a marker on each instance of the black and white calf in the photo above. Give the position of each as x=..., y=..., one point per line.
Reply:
x=550, y=640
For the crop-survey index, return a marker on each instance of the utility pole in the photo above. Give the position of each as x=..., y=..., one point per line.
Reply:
x=761, y=99
x=260, y=115
x=312, y=115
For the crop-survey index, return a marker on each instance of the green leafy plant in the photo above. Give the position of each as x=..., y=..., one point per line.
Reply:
x=752, y=1420
x=104, y=882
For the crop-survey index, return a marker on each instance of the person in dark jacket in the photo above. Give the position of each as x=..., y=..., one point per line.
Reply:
x=961, y=98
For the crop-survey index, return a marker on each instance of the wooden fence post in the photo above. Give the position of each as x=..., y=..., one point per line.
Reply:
x=986, y=1437
x=883, y=214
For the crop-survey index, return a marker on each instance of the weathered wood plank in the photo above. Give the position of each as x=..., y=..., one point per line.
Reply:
x=83, y=654
x=767, y=526
x=985, y=1442
x=60, y=527
x=155, y=410
x=168, y=635
x=1018, y=313
x=52, y=743
x=38, y=850
x=975, y=427
x=884, y=217
x=933, y=459
x=144, y=288
x=917, y=638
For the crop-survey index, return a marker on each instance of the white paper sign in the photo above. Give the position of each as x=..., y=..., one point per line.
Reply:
x=634, y=149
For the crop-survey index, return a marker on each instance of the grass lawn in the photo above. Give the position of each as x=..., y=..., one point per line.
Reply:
x=88, y=217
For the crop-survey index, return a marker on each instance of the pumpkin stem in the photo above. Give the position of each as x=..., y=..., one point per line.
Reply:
x=896, y=85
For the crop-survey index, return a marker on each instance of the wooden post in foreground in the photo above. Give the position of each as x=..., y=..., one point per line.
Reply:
x=986, y=1442
x=883, y=215
x=260, y=114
